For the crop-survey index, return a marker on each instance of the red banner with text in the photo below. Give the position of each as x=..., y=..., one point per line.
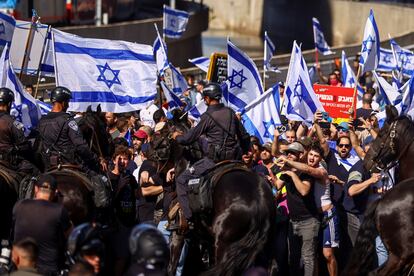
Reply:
x=335, y=100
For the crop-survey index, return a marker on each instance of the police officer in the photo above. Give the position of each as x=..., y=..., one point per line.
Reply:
x=15, y=150
x=226, y=136
x=86, y=246
x=149, y=251
x=62, y=141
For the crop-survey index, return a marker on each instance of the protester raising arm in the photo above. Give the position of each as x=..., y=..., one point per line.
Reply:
x=275, y=144
x=356, y=144
x=303, y=187
x=319, y=173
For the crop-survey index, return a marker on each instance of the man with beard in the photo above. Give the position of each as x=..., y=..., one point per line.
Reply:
x=111, y=121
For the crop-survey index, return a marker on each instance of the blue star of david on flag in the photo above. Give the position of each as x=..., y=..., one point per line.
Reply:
x=233, y=79
x=105, y=77
x=367, y=44
x=297, y=91
x=267, y=126
x=17, y=115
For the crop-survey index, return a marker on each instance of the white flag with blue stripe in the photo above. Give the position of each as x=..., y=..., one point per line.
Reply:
x=120, y=76
x=244, y=82
x=387, y=61
x=178, y=81
x=390, y=94
x=45, y=108
x=262, y=115
x=320, y=43
x=174, y=22
x=172, y=99
x=407, y=103
x=404, y=59
x=197, y=110
x=24, y=108
x=201, y=62
x=300, y=102
x=7, y=25
x=47, y=67
x=348, y=77
x=160, y=53
x=269, y=51
x=370, y=50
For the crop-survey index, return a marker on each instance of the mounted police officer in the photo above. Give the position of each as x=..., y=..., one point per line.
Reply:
x=61, y=143
x=226, y=136
x=15, y=149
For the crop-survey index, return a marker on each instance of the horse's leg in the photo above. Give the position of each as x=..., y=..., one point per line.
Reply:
x=176, y=246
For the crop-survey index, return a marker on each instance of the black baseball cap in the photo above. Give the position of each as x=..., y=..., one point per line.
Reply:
x=47, y=181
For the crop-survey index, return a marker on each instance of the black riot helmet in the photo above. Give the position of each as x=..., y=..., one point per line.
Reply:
x=213, y=90
x=84, y=240
x=60, y=94
x=6, y=95
x=148, y=247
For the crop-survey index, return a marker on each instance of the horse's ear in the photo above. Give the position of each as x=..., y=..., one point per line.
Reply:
x=89, y=109
x=391, y=112
x=99, y=109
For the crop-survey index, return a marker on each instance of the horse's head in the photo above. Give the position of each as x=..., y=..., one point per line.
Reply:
x=391, y=142
x=93, y=127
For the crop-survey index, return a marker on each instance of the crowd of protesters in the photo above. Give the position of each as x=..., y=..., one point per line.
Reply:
x=315, y=171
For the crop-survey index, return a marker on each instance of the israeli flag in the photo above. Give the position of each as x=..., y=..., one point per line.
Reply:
x=387, y=61
x=244, y=83
x=388, y=92
x=24, y=108
x=269, y=51
x=7, y=25
x=160, y=53
x=348, y=77
x=320, y=43
x=370, y=51
x=120, y=76
x=47, y=67
x=407, y=103
x=201, y=62
x=401, y=55
x=313, y=74
x=262, y=115
x=301, y=102
x=175, y=22
x=178, y=81
x=45, y=108
x=172, y=99
x=197, y=110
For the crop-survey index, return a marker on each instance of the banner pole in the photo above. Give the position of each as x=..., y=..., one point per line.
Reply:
x=353, y=114
x=49, y=28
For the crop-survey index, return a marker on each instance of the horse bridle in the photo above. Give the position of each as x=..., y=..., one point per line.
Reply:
x=393, y=136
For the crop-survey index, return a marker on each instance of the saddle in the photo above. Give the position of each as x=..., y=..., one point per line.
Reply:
x=200, y=195
x=12, y=177
x=95, y=183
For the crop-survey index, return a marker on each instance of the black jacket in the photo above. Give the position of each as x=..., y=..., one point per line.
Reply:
x=224, y=133
x=12, y=139
x=61, y=136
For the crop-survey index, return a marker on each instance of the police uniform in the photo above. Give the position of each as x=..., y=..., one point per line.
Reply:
x=63, y=143
x=227, y=140
x=15, y=149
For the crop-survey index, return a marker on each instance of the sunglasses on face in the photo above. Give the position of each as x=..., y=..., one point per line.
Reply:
x=344, y=146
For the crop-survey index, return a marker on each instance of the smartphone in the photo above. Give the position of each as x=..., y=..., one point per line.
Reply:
x=325, y=116
x=325, y=124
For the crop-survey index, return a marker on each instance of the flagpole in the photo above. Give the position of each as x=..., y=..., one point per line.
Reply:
x=28, y=48
x=54, y=60
x=316, y=56
x=163, y=25
x=41, y=59
x=352, y=115
x=264, y=61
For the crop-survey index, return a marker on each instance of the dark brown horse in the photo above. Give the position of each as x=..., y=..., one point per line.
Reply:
x=392, y=216
x=242, y=219
x=73, y=185
x=9, y=185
